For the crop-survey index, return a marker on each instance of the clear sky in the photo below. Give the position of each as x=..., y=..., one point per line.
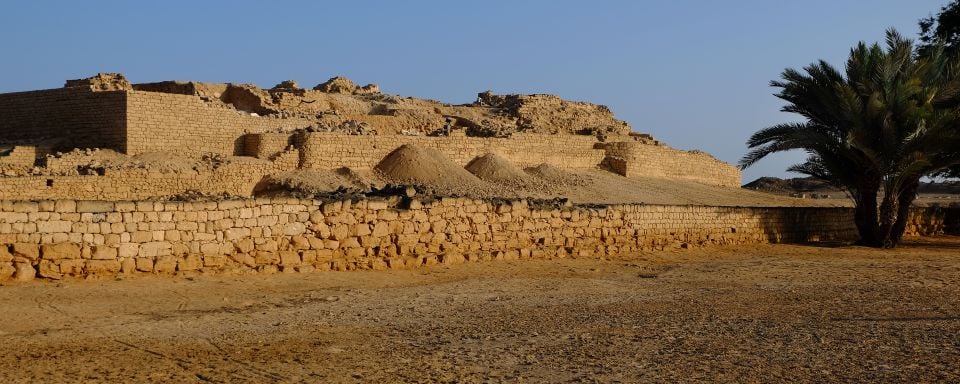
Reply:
x=694, y=74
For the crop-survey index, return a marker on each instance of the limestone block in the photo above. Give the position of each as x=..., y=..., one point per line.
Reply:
x=65, y=206
x=289, y=258
x=316, y=217
x=190, y=263
x=24, y=272
x=102, y=267
x=72, y=267
x=28, y=251
x=144, y=264
x=154, y=249
x=267, y=258
x=59, y=251
x=128, y=265
x=87, y=206
x=269, y=245
x=179, y=249
x=26, y=207
x=103, y=252
x=244, y=245
x=296, y=228
x=210, y=249
x=214, y=261
x=6, y=270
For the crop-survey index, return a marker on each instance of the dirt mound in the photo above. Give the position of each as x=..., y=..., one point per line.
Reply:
x=427, y=167
x=556, y=175
x=493, y=168
x=315, y=182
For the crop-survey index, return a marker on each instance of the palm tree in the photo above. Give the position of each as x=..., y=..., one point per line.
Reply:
x=888, y=120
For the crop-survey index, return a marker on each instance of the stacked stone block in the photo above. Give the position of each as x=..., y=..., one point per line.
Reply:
x=61, y=238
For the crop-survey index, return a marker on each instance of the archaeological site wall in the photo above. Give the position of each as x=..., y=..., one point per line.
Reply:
x=54, y=239
x=187, y=124
x=331, y=150
x=73, y=115
x=233, y=179
x=633, y=159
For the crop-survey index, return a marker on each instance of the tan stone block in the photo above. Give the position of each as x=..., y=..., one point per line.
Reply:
x=103, y=252
x=244, y=245
x=269, y=245
x=49, y=269
x=214, y=261
x=58, y=251
x=165, y=264
x=144, y=264
x=316, y=217
x=24, y=272
x=86, y=206
x=154, y=248
x=65, y=206
x=189, y=263
x=299, y=242
x=321, y=230
x=102, y=267
x=289, y=258
x=128, y=265
x=71, y=267
x=128, y=250
x=141, y=237
x=27, y=251
x=266, y=258
x=6, y=270
x=179, y=249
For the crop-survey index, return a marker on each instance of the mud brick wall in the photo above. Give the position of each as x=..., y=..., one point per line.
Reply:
x=61, y=238
x=80, y=117
x=234, y=179
x=20, y=155
x=636, y=159
x=187, y=124
x=331, y=150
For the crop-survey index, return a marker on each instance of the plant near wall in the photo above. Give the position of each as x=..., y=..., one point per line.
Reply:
x=942, y=29
x=877, y=128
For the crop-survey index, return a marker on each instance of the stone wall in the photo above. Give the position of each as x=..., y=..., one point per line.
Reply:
x=21, y=156
x=636, y=159
x=82, y=238
x=331, y=150
x=158, y=122
x=77, y=116
x=233, y=179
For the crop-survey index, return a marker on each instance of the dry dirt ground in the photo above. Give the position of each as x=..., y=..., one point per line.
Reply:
x=770, y=313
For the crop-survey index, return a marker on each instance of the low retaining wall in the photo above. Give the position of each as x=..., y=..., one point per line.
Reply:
x=53, y=239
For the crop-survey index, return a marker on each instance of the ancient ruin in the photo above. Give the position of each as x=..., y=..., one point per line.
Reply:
x=105, y=176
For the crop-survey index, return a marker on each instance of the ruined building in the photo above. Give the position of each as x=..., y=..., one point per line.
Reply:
x=106, y=138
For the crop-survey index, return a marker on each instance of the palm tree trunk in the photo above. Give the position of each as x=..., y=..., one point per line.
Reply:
x=906, y=198
x=865, y=217
x=888, y=215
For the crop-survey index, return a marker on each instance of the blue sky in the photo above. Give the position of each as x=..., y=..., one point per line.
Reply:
x=694, y=74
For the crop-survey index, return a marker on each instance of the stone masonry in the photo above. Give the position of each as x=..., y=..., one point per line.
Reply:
x=69, y=238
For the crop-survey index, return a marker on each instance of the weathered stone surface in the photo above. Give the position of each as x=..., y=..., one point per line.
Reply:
x=24, y=272
x=64, y=250
x=85, y=206
x=26, y=251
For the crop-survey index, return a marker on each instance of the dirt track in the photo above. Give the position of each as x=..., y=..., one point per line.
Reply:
x=759, y=314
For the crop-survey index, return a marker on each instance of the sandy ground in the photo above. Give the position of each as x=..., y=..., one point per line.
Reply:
x=771, y=313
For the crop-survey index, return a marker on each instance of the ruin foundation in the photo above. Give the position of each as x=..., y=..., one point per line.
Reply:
x=69, y=238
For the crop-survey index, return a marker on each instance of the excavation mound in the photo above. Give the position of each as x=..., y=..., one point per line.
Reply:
x=316, y=182
x=493, y=168
x=556, y=175
x=427, y=167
